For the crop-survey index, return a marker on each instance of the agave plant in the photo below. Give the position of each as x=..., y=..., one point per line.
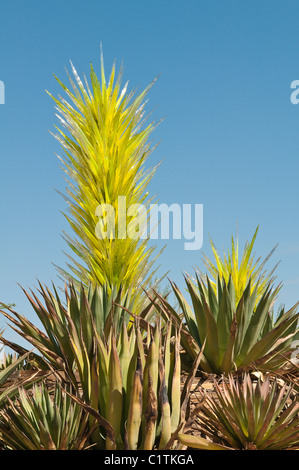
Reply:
x=105, y=140
x=44, y=420
x=8, y=384
x=241, y=269
x=126, y=378
x=237, y=337
x=132, y=388
x=95, y=307
x=250, y=416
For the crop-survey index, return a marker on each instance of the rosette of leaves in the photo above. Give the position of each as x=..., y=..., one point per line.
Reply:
x=126, y=378
x=44, y=420
x=238, y=336
x=253, y=415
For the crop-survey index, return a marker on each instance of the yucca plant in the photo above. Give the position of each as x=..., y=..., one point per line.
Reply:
x=241, y=268
x=258, y=415
x=44, y=420
x=237, y=336
x=105, y=140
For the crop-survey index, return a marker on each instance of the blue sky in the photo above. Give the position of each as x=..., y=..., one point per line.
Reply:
x=229, y=141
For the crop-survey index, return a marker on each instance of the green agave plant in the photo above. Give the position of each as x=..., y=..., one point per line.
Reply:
x=9, y=386
x=241, y=269
x=43, y=420
x=250, y=416
x=95, y=307
x=237, y=337
x=132, y=388
x=106, y=148
x=125, y=377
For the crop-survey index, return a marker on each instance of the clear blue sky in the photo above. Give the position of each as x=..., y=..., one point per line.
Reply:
x=230, y=140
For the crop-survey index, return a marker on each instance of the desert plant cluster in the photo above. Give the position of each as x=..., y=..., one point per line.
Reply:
x=115, y=362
